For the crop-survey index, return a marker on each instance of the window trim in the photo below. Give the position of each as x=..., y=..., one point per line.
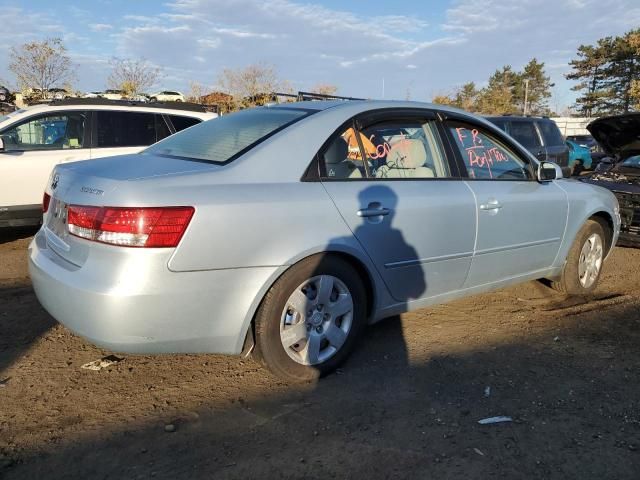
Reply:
x=495, y=132
x=35, y=116
x=367, y=119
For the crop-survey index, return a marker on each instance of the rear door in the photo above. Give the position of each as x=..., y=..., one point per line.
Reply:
x=124, y=132
x=390, y=179
x=520, y=221
x=33, y=147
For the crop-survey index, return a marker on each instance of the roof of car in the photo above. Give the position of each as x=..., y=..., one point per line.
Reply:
x=364, y=105
x=182, y=108
x=516, y=117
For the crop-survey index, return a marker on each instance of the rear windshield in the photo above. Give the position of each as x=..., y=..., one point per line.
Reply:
x=525, y=133
x=551, y=133
x=222, y=139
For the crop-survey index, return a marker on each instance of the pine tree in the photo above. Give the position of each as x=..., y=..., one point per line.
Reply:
x=608, y=75
x=497, y=97
x=538, y=91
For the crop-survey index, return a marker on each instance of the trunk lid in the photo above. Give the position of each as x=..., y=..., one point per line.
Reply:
x=113, y=181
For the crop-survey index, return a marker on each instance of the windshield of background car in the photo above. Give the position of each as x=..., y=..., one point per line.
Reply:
x=222, y=139
x=633, y=162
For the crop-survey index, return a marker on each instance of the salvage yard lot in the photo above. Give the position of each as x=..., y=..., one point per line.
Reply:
x=406, y=404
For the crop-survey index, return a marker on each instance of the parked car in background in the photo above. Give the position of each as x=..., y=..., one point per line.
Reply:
x=92, y=95
x=619, y=137
x=579, y=157
x=540, y=135
x=5, y=94
x=167, y=96
x=57, y=94
x=139, y=97
x=35, y=139
x=272, y=229
x=112, y=94
x=587, y=141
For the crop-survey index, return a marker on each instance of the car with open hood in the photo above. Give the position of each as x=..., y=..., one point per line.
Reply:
x=619, y=136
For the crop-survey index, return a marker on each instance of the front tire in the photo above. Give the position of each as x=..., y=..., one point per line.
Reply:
x=584, y=263
x=311, y=318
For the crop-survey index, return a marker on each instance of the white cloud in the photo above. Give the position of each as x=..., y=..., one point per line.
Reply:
x=311, y=43
x=100, y=27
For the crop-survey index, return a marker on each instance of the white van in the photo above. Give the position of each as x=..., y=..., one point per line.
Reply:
x=35, y=139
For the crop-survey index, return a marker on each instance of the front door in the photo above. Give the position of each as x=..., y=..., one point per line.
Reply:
x=520, y=221
x=403, y=203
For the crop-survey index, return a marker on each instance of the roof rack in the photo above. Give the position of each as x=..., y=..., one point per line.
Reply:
x=307, y=96
x=187, y=106
x=302, y=96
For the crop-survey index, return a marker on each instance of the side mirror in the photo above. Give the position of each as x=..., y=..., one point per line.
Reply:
x=548, y=171
x=1, y=145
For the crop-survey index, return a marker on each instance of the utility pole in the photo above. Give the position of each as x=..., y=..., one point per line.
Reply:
x=526, y=95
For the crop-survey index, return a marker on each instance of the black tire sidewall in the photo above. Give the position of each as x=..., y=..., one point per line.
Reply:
x=570, y=275
x=268, y=318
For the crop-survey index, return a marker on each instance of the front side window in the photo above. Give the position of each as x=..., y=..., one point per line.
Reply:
x=486, y=158
x=129, y=129
x=226, y=137
x=48, y=132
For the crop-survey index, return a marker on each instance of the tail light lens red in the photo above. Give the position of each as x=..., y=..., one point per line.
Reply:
x=149, y=227
x=46, y=198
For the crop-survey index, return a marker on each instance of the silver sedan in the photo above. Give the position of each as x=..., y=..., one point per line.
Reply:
x=285, y=230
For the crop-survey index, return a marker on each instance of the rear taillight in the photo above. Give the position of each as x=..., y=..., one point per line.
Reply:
x=130, y=227
x=46, y=198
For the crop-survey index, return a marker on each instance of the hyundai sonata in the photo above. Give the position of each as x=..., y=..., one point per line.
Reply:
x=285, y=230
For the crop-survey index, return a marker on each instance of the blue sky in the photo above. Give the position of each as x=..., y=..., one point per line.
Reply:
x=419, y=48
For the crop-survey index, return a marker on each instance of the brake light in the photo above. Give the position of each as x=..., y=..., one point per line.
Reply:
x=46, y=198
x=130, y=227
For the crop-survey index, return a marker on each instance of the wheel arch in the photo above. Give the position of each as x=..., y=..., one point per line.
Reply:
x=606, y=222
x=364, y=271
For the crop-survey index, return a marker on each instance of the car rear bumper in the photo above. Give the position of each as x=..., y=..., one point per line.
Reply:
x=127, y=300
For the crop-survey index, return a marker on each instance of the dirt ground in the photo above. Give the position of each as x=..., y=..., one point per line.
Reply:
x=406, y=404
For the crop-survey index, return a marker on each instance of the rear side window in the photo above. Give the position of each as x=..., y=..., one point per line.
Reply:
x=129, y=129
x=180, y=123
x=525, y=133
x=551, y=133
x=227, y=137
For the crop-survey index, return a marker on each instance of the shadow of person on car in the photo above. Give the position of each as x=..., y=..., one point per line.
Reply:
x=394, y=268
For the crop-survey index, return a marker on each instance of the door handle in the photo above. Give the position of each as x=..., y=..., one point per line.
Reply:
x=373, y=212
x=491, y=205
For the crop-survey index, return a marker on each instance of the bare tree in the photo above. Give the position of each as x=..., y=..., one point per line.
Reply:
x=325, y=89
x=196, y=92
x=132, y=76
x=252, y=85
x=41, y=65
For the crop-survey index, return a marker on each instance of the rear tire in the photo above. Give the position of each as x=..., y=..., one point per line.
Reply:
x=583, y=266
x=311, y=318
